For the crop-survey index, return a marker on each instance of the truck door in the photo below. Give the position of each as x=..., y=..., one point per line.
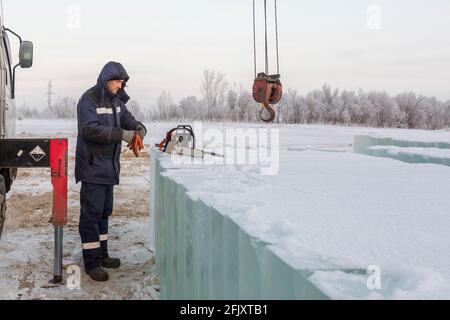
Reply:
x=9, y=110
x=2, y=85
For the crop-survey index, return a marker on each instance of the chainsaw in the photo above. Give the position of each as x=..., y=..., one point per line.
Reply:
x=181, y=141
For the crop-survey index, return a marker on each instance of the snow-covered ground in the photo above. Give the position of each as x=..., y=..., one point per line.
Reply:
x=326, y=209
x=26, y=248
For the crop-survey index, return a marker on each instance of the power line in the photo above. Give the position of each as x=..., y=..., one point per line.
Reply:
x=49, y=93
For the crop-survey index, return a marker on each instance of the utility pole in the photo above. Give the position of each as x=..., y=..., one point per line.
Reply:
x=49, y=94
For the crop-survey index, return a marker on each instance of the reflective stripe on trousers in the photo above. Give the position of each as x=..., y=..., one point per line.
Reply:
x=96, y=203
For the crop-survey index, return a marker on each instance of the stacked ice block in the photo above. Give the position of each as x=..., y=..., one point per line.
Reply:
x=310, y=232
x=403, y=150
x=203, y=254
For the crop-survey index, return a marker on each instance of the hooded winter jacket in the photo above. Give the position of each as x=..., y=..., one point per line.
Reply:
x=102, y=117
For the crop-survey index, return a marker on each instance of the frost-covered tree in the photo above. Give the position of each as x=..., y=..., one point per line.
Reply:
x=327, y=106
x=330, y=104
x=166, y=107
x=386, y=110
x=446, y=114
x=232, y=104
x=62, y=108
x=349, y=110
x=246, y=105
x=411, y=106
x=190, y=108
x=135, y=108
x=214, y=86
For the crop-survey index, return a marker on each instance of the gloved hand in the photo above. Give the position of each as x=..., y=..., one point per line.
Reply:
x=128, y=136
x=142, y=131
x=136, y=144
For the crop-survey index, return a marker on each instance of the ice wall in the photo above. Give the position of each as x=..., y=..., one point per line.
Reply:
x=403, y=150
x=203, y=254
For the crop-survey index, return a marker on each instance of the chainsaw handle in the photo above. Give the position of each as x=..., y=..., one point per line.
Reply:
x=191, y=131
x=163, y=145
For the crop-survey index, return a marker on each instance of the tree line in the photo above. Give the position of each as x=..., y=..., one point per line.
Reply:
x=221, y=101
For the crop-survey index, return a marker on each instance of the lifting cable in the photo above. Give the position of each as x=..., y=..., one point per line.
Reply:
x=267, y=89
x=266, y=41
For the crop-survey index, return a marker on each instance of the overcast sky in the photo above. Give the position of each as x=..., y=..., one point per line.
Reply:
x=166, y=45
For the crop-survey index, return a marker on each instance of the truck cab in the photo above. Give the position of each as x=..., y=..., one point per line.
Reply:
x=7, y=102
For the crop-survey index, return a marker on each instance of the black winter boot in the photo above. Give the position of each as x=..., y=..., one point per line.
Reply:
x=111, y=263
x=98, y=274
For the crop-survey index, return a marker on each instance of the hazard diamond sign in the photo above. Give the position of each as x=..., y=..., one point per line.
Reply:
x=37, y=154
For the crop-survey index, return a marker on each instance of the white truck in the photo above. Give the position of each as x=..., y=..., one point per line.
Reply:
x=8, y=108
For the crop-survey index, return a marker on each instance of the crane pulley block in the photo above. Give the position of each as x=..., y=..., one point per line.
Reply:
x=267, y=89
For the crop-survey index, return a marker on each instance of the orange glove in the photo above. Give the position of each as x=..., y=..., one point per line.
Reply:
x=136, y=144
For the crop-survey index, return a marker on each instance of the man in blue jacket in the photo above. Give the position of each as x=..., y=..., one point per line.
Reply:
x=103, y=123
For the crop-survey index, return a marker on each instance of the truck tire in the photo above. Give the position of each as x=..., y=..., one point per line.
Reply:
x=2, y=203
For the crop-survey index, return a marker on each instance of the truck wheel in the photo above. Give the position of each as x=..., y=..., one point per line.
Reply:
x=2, y=203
